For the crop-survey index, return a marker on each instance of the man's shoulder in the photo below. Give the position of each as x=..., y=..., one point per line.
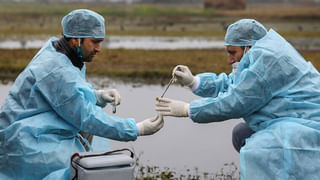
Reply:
x=51, y=64
x=272, y=41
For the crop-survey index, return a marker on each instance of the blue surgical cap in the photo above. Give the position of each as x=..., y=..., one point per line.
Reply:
x=244, y=32
x=83, y=23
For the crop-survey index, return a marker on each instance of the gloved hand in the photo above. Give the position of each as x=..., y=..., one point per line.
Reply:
x=183, y=75
x=105, y=96
x=170, y=107
x=150, y=126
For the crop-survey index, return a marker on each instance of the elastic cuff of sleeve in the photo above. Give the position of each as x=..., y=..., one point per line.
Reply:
x=196, y=83
x=187, y=109
x=138, y=129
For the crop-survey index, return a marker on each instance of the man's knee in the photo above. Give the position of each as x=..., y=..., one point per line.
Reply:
x=239, y=134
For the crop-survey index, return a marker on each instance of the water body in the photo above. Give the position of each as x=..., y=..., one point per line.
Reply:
x=132, y=42
x=162, y=43
x=180, y=144
x=158, y=43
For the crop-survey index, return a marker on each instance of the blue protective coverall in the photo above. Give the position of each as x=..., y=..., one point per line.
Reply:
x=277, y=92
x=49, y=103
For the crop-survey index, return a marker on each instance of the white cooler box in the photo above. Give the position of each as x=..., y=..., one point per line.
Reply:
x=112, y=165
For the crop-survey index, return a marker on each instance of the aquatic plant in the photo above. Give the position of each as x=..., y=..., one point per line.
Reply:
x=229, y=171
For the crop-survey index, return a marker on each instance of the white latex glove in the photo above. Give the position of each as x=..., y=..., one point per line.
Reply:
x=183, y=75
x=105, y=96
x=150, y=126
x=170, y=107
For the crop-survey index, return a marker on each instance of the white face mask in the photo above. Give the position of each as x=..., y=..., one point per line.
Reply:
x=236, y=64
x=235, y=68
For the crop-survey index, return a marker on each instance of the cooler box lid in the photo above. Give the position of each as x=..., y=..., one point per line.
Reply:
x=106, y=161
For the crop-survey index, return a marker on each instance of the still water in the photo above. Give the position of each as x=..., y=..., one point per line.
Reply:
x=157, y=43
x=131, y=42
x=180, y=144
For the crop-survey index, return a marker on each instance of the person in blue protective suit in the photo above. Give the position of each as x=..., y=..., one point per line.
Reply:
x=274, y=89
x=51, y=102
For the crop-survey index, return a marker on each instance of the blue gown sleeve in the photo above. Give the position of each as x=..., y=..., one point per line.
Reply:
x=73, y=99
x=212, y=84
x=254, y=87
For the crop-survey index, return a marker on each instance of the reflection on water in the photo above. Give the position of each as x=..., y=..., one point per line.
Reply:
x=159, y=43
x=181, y=144
x=132, y=42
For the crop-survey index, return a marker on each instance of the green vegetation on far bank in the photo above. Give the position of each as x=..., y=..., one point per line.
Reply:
x=31, y=19
x=138, y=65
x=266, y=11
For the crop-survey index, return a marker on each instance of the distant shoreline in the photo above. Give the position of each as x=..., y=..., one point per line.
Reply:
x=146, y=66
x=19, y=20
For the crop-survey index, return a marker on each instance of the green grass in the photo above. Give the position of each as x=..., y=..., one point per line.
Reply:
x=21, y=19
x=266, y=11
x=149, y=172
x=104, y=9
x=140, y=65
